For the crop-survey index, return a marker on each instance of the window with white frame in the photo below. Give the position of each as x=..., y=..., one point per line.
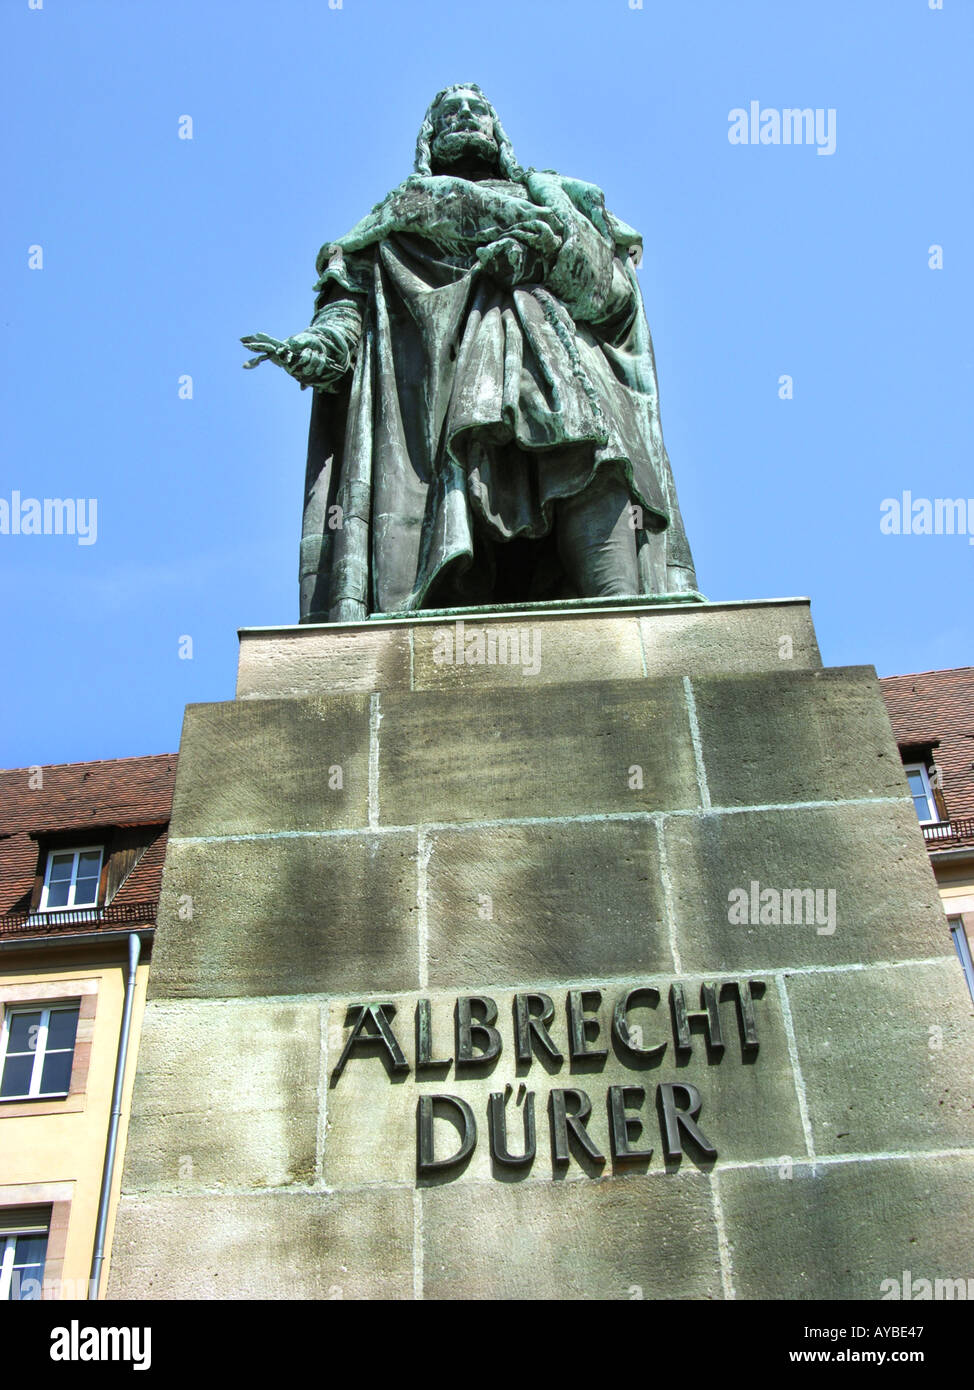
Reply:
x=922, y=793
x=37, y=1051
x=22, y=1255
x=71, y=878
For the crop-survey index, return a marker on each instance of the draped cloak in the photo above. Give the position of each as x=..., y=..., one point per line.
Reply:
x=472, y=408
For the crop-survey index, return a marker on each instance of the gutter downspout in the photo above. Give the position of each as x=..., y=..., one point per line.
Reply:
x=135, y=947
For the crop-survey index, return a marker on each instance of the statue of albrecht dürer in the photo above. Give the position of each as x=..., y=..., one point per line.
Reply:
x=486, y=418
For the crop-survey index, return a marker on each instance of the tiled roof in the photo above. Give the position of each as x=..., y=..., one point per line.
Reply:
x=88, y=799
x=117, y=791
x=938, y=706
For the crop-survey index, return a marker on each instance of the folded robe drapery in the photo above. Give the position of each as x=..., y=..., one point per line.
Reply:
x=472, y=407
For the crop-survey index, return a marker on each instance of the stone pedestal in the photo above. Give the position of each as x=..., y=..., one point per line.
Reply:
x=667, y=835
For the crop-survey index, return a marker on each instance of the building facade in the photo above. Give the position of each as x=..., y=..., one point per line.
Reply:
x=81, y=854
x=932, y=714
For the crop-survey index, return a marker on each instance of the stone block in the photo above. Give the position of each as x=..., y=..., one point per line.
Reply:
x=303, y=914
x=326, y=660
x=886, y=901
x=718, y=639
x=251, y=766
x=496, y=754
x=796, y=736
x=641, y=1236
x=226, y=1096
x=887, y=1057
x=545, y=901
x=840, y=1231
x=274, y=1245
x=526, y=650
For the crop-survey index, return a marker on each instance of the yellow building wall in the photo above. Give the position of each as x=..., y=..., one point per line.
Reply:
x=955, y=882
x=64, y=1150
x=957, y=898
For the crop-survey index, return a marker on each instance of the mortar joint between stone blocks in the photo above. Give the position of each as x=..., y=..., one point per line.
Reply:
x=697, y=743
x=321, y=1138
x=789, y=1023
x=723, y=1244
x=419, y=1251
x=424, y=850
x=668, y=904
x=375, y=719
x=642, y=647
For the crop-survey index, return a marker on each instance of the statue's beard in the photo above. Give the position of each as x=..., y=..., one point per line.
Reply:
x=466, y=147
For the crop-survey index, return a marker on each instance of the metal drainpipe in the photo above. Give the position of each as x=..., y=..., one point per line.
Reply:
x=135, y=947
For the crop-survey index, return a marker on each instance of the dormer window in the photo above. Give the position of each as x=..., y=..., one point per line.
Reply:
x=921, y=791
x=71, y=879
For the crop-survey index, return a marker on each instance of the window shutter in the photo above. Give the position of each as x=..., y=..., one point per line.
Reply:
x=128, y=847
x=25, y=1219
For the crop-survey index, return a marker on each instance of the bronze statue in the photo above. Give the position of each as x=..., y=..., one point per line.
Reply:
x=485, y=426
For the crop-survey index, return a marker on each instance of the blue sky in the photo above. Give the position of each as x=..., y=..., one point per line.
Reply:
x=761, y=261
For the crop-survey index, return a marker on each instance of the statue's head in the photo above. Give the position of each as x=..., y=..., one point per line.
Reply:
x=462, y=130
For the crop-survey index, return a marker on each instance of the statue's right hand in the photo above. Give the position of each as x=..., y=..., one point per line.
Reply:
x=314, y=357
x=307, y=359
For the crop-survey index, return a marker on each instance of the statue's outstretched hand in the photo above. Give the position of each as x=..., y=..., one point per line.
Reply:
x=309, y=360
x=270, y=349
x=305, y=356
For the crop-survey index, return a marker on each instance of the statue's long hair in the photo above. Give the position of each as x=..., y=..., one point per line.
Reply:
x=509, y=167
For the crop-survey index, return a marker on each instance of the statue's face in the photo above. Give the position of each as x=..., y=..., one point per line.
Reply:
x=463, y=130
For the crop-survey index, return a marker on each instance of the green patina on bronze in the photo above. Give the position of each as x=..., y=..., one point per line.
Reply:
x=485, y=426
